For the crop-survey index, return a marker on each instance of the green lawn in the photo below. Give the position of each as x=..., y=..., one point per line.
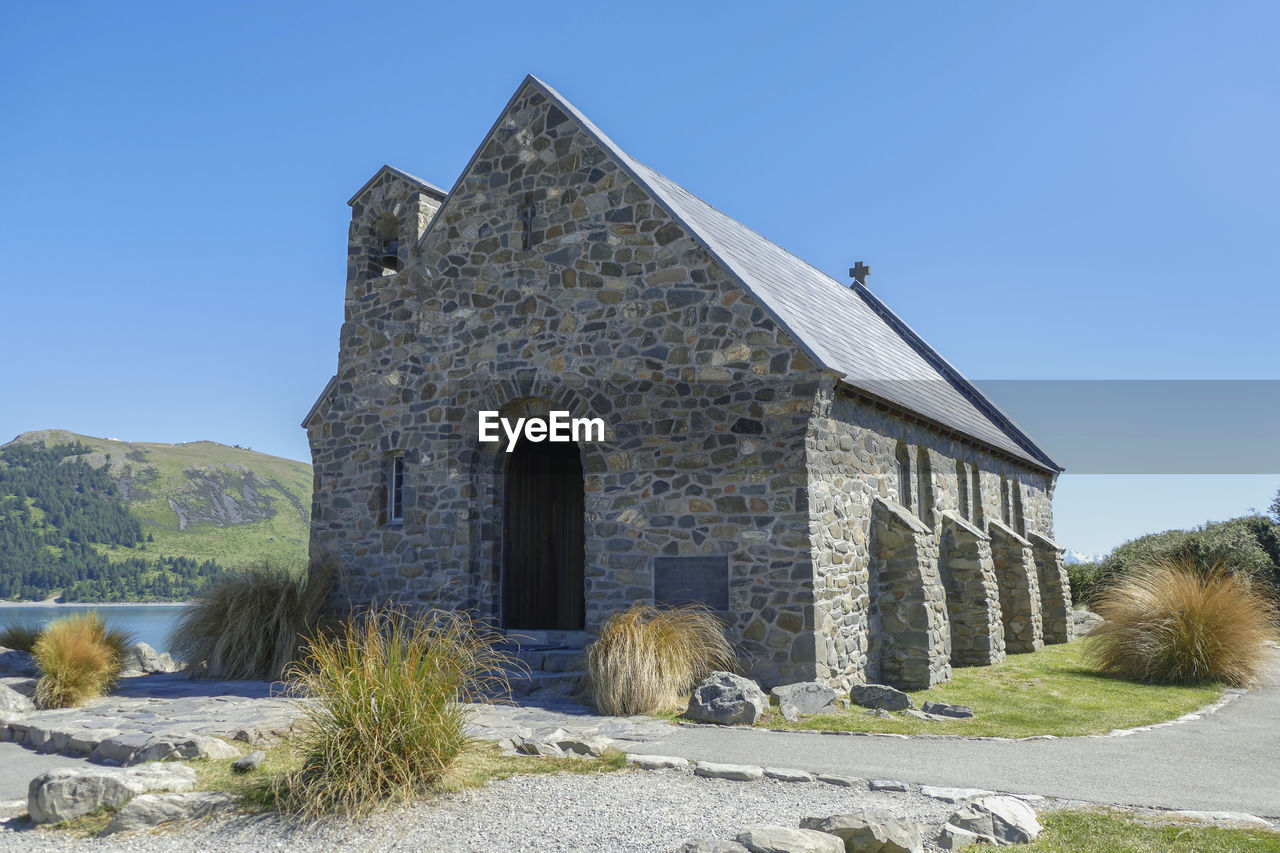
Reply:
x=1123, y=832
x=1050, y=692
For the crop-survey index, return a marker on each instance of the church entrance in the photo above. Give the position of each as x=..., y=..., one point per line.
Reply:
x=543, y=546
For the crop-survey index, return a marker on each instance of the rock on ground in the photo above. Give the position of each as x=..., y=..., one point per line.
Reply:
x=728, y=699
x=249, y=762
x=869, y=831
x=945, y=710
x=151, y=810
x=142, y=659
x=805, y=697
x=998, y=820
x=881, y=696
x=14, y=703
x=733, y=772
x=69, y=792
x=784, y=839
x=715, y=846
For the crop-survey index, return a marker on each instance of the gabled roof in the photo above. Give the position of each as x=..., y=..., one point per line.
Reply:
x=427, y=186
x=843, y=329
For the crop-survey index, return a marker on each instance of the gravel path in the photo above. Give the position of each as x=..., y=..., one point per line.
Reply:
x=624, y=812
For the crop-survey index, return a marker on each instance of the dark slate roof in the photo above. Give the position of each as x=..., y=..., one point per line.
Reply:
x=845, y=329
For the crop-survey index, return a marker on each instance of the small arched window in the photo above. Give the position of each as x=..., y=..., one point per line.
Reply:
x=962, y=485
x=1006, y=508
x=904, y=476
x=979, y=516
x=1019, y=518
x=924, y=485
x=386, y=244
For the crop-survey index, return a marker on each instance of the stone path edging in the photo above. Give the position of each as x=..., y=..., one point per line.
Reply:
x=1229, y=696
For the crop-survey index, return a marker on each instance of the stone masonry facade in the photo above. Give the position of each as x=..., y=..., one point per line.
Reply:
x=862, y=543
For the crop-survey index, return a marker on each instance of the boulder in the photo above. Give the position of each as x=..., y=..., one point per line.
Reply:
x=141, y=659
x=249, y=762
x=151, y=810
x=69, y=792
x=1084, y=621
x=869, y=831
x=728, y=699
x=121, y=748
x=784, y=839
x=592, y=746
x=734, y=772
x=997, y=820
x=14, y=662
x=805, y=697
x=714, y=846
x=881, y=696
x=942, y=709
x=173, y=748
x=529, y=746
x=14, y=703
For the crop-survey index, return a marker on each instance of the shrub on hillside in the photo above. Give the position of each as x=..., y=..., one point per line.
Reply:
x=18, y=636
x=385, y=716
x=1086, y=579
x=250, y=624
x=1177, y=622
x=648, y=658
x=79, y=658
x=1249, y=545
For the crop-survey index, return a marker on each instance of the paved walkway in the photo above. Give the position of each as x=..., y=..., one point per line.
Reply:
x=1225, y=761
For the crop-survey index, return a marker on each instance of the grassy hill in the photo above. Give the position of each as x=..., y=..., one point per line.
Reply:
x=201, y=501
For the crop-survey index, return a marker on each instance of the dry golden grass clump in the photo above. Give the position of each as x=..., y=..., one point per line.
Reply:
x=251, y=624
x=79, y=658
x=648, y=658
x=384, y=717
x=1169, y=622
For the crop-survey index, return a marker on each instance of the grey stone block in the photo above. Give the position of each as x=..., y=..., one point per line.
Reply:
x=784, y=839
x=870, y=831
x=735, y=772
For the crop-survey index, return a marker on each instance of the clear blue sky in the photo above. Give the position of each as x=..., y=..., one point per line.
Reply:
x=1044, y=190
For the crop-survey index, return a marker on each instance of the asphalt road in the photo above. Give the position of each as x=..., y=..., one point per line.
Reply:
x=1226, y=761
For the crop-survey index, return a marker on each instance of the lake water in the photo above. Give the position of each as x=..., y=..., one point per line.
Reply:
x=150, y=623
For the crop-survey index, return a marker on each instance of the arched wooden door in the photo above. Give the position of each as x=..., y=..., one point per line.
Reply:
x=543, y=549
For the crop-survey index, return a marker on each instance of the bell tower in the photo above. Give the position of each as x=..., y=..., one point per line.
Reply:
x=389, y=215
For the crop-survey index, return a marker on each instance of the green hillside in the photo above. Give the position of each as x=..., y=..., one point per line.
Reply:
x=100, y=519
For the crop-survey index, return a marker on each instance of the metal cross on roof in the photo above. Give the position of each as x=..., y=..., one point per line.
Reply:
x=859, y=272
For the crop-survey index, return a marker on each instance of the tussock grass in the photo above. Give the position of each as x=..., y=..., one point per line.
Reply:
x=251, y=624
x=79, y=658
x=648, y=658
x=17, y=635
x=384, y=720
x=1172, y=622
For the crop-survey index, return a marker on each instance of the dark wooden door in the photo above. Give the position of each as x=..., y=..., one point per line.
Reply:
x=543, y=548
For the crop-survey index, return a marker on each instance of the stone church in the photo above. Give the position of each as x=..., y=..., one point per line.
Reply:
x=778, y=445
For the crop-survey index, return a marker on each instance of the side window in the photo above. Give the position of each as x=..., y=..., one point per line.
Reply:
x=924, y=485
x=395, y=489
x=1019, y=518
x=975, y=495
x=904, y=476
x=962, y=484
x=1006, y=509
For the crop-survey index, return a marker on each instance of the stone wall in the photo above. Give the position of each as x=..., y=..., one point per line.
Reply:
x=973, y=593
x=613, y=311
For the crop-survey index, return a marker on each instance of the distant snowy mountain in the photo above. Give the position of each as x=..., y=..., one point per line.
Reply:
x=1073, y=557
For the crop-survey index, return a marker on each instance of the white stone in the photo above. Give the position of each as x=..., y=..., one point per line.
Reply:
x=657, y=762
x=954, y=795
x=867, y=829
x=728, y=699
x=784, y=774
x=736, y=772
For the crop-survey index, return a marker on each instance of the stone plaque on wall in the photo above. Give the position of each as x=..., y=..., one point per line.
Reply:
x=692, y=580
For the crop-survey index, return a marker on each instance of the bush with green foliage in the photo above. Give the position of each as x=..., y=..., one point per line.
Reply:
x=1086, y=579
x=79, y=658
x=1249, y=545
x=20, y=636
x=648, y=658
x=1178, y=622
x=251, y=624
x=385, y=715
